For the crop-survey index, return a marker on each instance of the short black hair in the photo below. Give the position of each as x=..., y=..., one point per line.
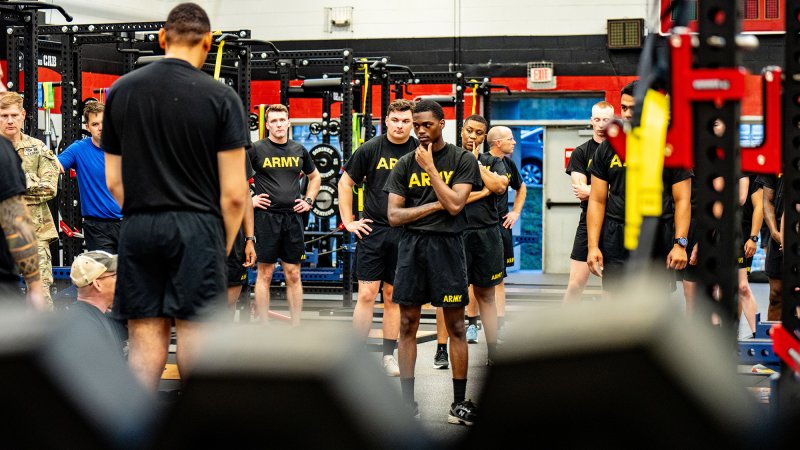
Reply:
x=429, y=105
x=187, y=23
x=629, y=89
x=477, y=118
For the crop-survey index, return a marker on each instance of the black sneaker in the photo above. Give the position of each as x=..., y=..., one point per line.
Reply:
x=463, y=413
x=440, y=361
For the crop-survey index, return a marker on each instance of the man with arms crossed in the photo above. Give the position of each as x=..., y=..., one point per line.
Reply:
x=427, y=193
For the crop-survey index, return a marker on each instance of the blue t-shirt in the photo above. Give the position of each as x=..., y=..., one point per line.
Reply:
x=89, y=162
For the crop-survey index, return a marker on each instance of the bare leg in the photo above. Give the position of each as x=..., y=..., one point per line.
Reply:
x=365, y=307
x=441, y=328
x=578, y=277
x=294, y=291
x=689, y=293
x=459, y=357
x=233, y=295
x=407, y=344
x=747, y=302
x=391, y=314
x=149, y=346
x=485, y=301
x=500, y=298
x=472, y=307
x=775, y=300
x=189, y=335
x=263, y=282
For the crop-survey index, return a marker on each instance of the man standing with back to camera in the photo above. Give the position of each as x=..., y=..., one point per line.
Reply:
x=174, y=140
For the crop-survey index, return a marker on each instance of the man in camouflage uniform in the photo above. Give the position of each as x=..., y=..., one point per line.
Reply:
x=41, y=178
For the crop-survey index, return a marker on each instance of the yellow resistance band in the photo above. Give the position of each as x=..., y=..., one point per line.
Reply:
x=48, y=100
x=261, y=128
x=474, y=98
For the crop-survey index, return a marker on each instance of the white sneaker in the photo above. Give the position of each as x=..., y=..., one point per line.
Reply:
x=390, y=366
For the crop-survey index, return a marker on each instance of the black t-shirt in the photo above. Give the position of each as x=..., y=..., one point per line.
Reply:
x=408, y=179
x=12, y=183
x=90, y=318
x=483, y=213
x=608, y=167
x=168, y=120
x=372, y=163
x=278, y=170
x=774, y=182
x=514, y=182
x=581, y=161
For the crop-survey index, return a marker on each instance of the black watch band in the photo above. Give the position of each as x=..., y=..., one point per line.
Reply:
x=682, y=241
x=309, y=201
x=250, y=238
x=754, y=238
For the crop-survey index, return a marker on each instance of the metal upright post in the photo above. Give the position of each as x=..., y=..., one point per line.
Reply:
x=788, y=387
x=718, y=156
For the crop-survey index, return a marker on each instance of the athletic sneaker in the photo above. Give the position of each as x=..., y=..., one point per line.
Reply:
x=463, y=413
x=414, y=408
x=472, y=334
x=440, y=360
x=390, y=366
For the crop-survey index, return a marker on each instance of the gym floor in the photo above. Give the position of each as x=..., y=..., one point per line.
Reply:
x=525, y=292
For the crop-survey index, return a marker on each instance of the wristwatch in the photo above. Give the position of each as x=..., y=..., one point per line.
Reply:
x=309, y=201
x=250, y=238
x=754, y=238
x=682, y=241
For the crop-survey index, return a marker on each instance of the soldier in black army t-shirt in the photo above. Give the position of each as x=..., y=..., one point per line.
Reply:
x=605, y=220
x=578, y=169
x=376, y=253
x=427, y=193
x=279, y=163
x=773, y=265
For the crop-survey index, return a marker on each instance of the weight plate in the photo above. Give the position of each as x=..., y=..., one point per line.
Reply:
x=327, y=160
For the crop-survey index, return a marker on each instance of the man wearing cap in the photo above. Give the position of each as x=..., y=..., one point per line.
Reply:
x=95, y=275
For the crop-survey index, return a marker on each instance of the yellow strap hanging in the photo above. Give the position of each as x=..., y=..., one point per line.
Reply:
x=644, y=161
x=261, y=128
x=366, y=87
x=48, y=99
x=360, y=199
x=474, y=97
x=218, y=65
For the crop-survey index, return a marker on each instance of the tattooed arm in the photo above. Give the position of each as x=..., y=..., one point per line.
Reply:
x=20, y=235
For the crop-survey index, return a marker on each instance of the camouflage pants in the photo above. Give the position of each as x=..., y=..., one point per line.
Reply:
x=46, y=270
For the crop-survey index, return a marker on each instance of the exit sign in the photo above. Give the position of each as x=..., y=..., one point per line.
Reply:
x=541, y=74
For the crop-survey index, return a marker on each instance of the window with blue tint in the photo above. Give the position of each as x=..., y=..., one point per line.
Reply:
x=544, y=108
x=302, y=135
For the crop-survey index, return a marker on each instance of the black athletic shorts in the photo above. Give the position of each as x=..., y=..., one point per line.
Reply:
x=101, y=234
x=376, y=254
x=431, y=268
x=484, y=251
x=615, y=256
x=744, y=263
x=237, y=273
x=279, y=236
x=580, y=246
x=508, y=248
x=171, y=264
x=773, y=264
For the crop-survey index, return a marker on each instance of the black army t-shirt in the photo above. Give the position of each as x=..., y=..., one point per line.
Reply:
x=372, y=163
x=168, y=121
x=775, y=183
x=12, y=183
x=608, y=166
x=483, y=213
x=514, y=182
x=455, y=165
x=581, y=160
x=278, y=168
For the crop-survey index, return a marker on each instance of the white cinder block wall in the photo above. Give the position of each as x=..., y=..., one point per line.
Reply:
x=303, y=19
